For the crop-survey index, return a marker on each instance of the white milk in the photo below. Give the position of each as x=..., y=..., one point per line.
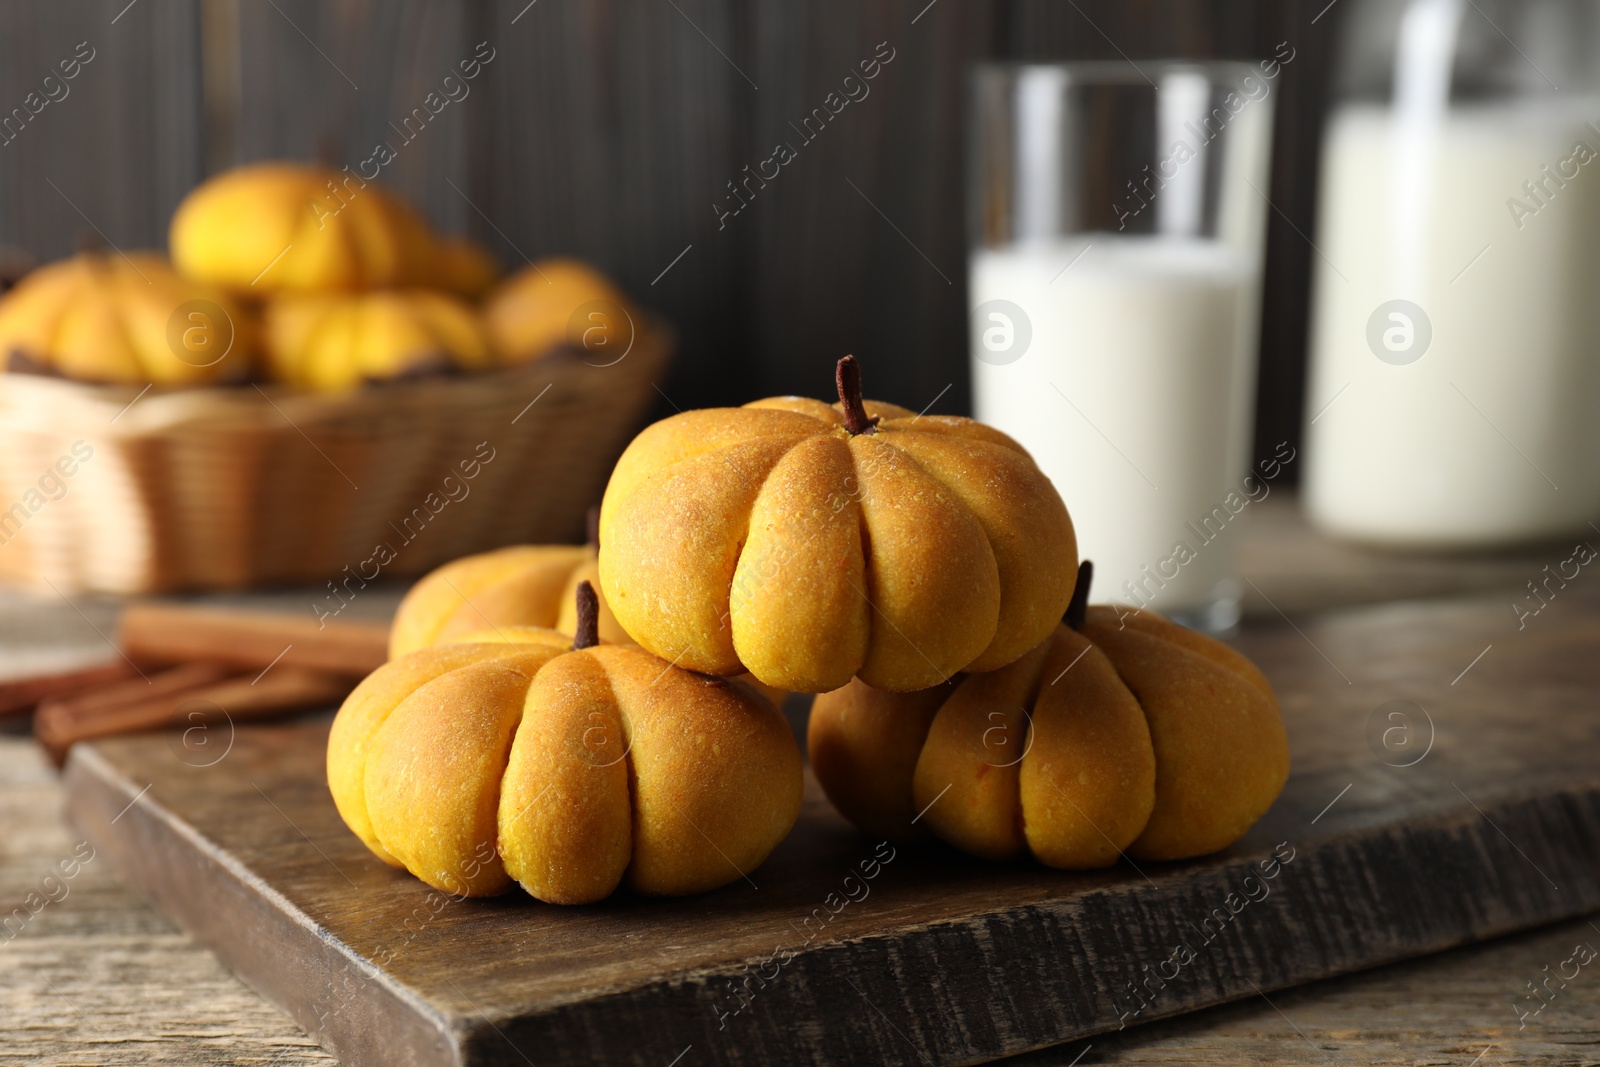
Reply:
x=1134, y=396
x=1492, y=435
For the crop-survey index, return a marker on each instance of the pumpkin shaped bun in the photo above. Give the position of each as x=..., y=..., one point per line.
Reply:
x=566, y=766
x=273, y=227
x=523, y=585
x=496, y=595
x=130, y=319
x=330, y=341
x=1121, y=733
x=809, y=543
x=555, y=303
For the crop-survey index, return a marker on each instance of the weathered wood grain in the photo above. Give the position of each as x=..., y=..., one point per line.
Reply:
x=98, y=978
x=1458, y=1008
x=859, y=245
x=103, y=979
x=610, y=128
x=333, y=81
x=142, y=992
x=1497, y=828
x=111, y=151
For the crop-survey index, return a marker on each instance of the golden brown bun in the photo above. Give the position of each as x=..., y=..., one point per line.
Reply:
x=524, y=585
x=476, y=765
x=768, y=538
x=371, y=703
x=864, y=743
x=535, y=312
x=1149, y=740
x=274, y=227
x=132, y=319
x=1032, y=758
x=497, y=596
x=1222, y=755
x=333, y=341
x=516, y=634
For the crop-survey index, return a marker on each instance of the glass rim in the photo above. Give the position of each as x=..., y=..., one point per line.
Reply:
x=1118, y=71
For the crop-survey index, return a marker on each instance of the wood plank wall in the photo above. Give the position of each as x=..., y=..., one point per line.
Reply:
x=610, y=129
x=111, y=149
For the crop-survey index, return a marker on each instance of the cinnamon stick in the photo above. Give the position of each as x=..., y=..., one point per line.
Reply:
x=61, y=720
x=162, y=634
x=19, y=695
x=191, y=695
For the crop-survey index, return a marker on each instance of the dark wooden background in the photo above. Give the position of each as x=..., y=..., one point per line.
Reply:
x=608, y=128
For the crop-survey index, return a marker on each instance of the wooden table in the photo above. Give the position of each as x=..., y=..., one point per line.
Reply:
x=98, y=977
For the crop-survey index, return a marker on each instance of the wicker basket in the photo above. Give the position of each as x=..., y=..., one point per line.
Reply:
x=224, y=488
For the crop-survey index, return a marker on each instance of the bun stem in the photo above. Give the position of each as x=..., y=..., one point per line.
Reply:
x=588, y=633
x=847, y=376
x=1078, y=608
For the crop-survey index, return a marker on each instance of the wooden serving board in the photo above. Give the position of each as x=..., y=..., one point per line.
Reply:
x=1494, y=826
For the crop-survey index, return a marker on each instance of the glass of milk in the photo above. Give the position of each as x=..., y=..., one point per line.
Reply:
x=1454, y=394
x=1117, y=218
